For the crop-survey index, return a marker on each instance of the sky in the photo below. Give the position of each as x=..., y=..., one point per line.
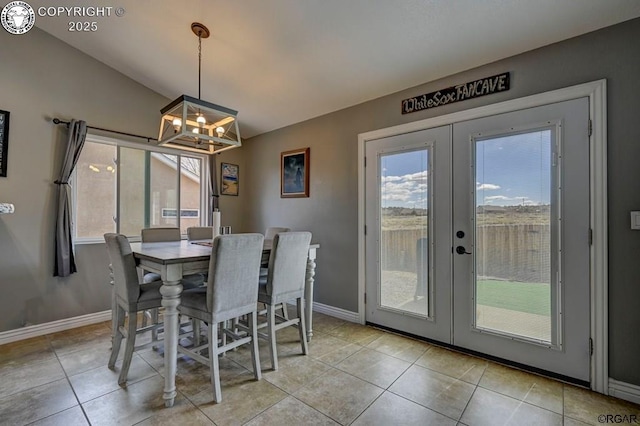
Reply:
x=510, y=171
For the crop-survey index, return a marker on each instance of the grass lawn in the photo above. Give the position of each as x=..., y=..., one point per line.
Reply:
x=533, y=298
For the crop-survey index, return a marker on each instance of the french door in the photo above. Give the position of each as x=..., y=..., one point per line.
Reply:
x=493, y=240
x=408, y=224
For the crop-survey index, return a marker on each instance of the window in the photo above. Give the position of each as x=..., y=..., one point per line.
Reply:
x=122, y=187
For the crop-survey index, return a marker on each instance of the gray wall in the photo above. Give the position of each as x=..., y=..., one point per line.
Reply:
x=331, y=210
x=44, y=77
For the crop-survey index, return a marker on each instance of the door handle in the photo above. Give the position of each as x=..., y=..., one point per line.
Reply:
x=461, y=250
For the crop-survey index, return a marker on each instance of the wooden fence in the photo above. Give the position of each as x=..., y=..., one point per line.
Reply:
x=506, y=252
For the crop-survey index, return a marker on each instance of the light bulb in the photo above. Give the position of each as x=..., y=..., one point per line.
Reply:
x=177, y=123
x=201, y=119
x=195, y=130
x=220, y=131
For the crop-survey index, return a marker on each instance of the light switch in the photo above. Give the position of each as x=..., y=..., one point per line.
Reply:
x=635, y=220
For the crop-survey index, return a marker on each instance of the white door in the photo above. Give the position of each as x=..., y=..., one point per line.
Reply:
x=521, y=216
x=408, y=243
x=478, y=236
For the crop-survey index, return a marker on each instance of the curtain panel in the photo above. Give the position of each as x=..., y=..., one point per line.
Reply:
x=65, y=264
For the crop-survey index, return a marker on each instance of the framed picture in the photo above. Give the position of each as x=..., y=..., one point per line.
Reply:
x=229, y=179
x=4, y=141
x=294, y=173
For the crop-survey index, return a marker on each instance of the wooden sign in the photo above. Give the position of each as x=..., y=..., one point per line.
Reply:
x=461, y=92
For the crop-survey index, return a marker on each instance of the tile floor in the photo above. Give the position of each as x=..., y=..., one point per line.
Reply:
x=354, y=375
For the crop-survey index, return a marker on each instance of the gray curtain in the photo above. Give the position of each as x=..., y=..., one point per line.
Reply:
x=213, y=186
x=65, y=263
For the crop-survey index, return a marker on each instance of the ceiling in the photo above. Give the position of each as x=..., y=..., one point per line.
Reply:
x=279, y=62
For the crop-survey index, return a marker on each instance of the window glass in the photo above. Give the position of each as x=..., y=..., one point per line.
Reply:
x=190, y=198
x=95, y=190
x=143, y=190
x=132, y=191
x=164, y=189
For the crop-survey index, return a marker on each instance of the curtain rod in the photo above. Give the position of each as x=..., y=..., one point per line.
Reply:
x=66, y=123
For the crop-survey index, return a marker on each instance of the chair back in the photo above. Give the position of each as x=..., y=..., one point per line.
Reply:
x=160, y=235
x=271, y=232
x=125, y=276
x=288, y=264
x=233, y=274
x=199, y=233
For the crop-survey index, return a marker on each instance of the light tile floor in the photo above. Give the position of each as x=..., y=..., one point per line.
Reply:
x=354, y=375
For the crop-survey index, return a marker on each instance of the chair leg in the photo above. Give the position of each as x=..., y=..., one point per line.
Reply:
x=302, y=329
x=271, y=333
x=214, y=365
x=114, y=316
x=285, y=311
x=195, y=326
x=118, y=321
x=255, y=354
x=128, y=350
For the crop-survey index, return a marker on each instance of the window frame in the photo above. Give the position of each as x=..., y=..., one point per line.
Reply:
x=118, y=143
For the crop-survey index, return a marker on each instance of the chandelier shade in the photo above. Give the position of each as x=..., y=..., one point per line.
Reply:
x=195, y=125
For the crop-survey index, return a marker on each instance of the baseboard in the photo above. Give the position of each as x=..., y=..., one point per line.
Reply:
x=625, y=391
x=336, y=312
x=53, y=327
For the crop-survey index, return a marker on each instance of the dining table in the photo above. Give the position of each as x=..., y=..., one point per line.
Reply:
x=175, y=259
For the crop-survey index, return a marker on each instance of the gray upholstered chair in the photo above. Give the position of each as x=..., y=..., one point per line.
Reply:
x=130, y=297
x=231, y=292
x=272, y=231
x=161, y=235
x=199, y=233
x=268, y=235
x=285, y=282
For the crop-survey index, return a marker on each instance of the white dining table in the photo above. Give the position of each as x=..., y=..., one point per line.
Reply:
x=173, y=260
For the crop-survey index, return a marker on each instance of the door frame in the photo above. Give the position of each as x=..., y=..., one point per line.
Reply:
x=596, y=91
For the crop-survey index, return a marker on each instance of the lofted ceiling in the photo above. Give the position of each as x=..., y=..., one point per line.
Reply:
x=279, y=62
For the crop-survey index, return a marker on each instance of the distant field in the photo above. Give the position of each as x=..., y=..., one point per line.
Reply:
x=396, y=222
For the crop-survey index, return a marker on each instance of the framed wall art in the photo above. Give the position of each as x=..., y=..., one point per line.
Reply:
x=4, y=141
x=229, y=183
x=294, y=173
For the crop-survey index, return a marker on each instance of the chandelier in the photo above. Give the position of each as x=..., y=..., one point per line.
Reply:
x=197, y=125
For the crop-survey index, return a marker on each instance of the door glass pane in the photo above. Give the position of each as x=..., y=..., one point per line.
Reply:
x=513, y=238
x=132, y=191
x=404, y=220
x=189, y=192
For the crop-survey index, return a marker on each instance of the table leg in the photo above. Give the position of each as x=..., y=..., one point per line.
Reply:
x=170, y=290
x=308, y=292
